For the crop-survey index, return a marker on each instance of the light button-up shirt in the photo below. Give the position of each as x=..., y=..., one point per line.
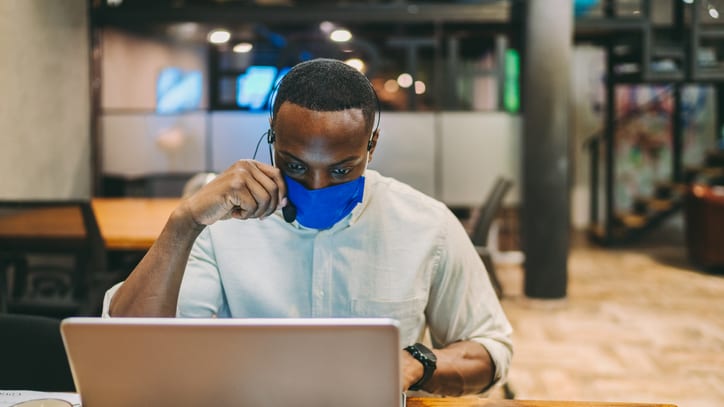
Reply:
x=399, y=254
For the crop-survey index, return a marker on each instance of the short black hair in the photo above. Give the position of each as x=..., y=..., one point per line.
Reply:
x=327, y=85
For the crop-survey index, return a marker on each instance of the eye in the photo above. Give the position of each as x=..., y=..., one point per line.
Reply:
x=295, y=168
x=341, y=172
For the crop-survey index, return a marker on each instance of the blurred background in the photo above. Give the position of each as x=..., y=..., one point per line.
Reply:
x=578, y=141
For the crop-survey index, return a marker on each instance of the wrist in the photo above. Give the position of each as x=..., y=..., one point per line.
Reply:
x=412, y=370
x=428, y=361
x=182, y=218
x=181, y=229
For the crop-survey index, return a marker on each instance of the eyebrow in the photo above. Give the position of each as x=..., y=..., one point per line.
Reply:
x=345, y=161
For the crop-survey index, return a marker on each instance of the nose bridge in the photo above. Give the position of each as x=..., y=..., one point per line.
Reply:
x=317, y=179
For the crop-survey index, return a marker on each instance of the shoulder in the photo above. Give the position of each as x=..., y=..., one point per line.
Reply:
x=395, y=197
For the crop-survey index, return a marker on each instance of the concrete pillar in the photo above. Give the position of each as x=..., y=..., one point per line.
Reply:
x=44, y=100
x=546, y=201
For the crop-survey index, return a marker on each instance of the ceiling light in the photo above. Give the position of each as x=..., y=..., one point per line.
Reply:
x=391, y=86
x=713, y=12
x=419, y=87
x=404, y=80
x=356, y=63
x=326, y=27
x=242, y=47
x=340, y=35
x=219, y=36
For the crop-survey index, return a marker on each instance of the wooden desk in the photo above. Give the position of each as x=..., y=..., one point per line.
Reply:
x=63, y=228
x=43, y=222
x=476, y=402
x=472, y=402
x=131, y=223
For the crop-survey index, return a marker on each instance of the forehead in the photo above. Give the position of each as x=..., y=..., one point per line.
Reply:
x=294, y=123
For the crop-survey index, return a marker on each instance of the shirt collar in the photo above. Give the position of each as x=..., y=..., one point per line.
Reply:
x=370, y=181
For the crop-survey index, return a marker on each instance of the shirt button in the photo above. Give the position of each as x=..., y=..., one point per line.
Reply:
x=320, y=293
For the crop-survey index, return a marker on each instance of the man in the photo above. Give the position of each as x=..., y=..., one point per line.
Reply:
x=359, y=244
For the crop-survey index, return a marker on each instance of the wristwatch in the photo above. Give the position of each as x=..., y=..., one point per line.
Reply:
x=428, y=360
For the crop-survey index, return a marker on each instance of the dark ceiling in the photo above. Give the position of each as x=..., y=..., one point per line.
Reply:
x=285, y=11
x=182, y=3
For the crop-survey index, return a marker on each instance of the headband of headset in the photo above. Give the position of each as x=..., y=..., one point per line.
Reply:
x=271, y=136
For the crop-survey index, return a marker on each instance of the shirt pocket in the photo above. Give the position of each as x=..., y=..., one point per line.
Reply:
x=410, y=313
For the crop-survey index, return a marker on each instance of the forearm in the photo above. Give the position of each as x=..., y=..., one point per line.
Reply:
x=152, y=288
x=462, y=368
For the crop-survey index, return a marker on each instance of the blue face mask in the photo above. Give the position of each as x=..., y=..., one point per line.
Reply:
x=322, y=208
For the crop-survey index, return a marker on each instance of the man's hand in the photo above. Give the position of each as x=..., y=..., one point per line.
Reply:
x=463, y=367
x=412, y=370
x=247, y=189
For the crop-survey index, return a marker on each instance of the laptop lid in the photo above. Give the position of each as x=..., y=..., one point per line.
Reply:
x=234, y=362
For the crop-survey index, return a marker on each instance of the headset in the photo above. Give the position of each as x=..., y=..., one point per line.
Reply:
x=271, y=136
x=290, y=211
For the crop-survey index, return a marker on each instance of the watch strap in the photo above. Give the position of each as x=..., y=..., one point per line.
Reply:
x=429, y=363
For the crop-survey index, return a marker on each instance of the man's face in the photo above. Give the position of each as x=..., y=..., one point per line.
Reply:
x=319, y=149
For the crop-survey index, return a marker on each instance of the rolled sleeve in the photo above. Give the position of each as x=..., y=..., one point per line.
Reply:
x=201, y=294
x=463, y=305
x=106, y=313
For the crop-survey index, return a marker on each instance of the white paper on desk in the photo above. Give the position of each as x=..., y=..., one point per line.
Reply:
x=10, y=397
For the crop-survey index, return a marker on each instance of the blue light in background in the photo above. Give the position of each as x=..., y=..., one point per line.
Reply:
x=254, y=87
x=178, y=91
x=582, y=7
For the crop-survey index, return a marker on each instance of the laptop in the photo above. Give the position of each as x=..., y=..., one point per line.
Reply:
x=234, y=362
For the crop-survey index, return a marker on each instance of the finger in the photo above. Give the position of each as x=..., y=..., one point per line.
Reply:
x=271, y=188
x=236, y=213
x=256, y=191
x=261, y=196
x=247, y=193
x=276, y=175
x=243, y=204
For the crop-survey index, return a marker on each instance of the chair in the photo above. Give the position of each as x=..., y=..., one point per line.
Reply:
x=32, y=354
x=50, y=252
x=482, y=222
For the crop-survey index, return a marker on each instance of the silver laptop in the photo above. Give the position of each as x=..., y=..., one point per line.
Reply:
x=234, y=362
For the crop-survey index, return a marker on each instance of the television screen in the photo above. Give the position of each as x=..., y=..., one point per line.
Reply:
x=178, y=91
x=255, y=86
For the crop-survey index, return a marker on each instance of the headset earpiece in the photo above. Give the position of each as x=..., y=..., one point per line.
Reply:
x=270, y=136
x=370, y=143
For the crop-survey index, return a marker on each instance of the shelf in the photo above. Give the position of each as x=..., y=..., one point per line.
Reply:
x=604, y=27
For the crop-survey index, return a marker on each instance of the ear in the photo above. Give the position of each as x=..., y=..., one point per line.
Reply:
x=373, y=144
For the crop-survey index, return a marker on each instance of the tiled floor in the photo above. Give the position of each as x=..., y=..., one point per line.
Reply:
x=638, y=324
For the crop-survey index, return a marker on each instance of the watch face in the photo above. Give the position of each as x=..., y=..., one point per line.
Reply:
x=427, y=353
